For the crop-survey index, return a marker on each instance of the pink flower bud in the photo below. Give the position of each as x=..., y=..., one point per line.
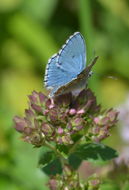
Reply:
x=60, y=130
x=96, y=120
x=80, y=111
x=72, y=111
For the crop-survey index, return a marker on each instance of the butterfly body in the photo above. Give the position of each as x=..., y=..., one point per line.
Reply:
x=67, y=71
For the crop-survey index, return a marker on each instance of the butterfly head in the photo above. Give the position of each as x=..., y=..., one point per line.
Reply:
x=90, y=74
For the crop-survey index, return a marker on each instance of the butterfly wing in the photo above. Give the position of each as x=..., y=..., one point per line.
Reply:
x=72, y=56
x=55, y=76
x=64, y=67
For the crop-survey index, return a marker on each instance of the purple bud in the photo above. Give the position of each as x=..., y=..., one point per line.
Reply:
x=105, y=121
x=34, y=97
x=53, y=115
x=101, y=137
x=48, y=103
x=78, y=128
x=45, y=112
x=78, y=121
x=36, y=124
x=29, y=123
x=27, y=139
x=47, y=129
x=96, y=130
x=63, y=116
x=36, y=108
x=28, y=130
x=89, y=104
x=73, y=132
x=53, y=184
x=112, y=115
x=29, y=113
x=20, y=124
x=42, y=97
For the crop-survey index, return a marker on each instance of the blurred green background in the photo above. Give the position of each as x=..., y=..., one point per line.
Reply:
x=30, y=32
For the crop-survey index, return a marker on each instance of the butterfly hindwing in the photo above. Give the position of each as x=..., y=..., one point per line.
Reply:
x=79, y=82
x=55, y=76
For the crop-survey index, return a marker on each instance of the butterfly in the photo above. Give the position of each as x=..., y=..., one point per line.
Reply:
x=66, y=71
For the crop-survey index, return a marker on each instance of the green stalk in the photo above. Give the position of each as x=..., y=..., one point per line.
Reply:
x=85, y=19
x=87, y=29
x=62, y=159
x=54, y=149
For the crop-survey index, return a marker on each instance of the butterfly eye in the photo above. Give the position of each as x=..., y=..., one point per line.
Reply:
x=90, y=73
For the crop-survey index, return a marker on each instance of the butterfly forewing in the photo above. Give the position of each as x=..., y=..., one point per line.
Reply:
x=72, y=56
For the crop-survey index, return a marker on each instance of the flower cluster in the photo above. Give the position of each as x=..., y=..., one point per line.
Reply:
x=103, y=123
x=60, y=119
x=70, y=180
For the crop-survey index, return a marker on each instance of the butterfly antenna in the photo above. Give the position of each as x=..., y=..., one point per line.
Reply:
x=109, y=77
x=112, y=77
x=94, y=57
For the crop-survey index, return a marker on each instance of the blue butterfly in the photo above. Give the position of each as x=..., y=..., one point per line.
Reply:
x=66, y=71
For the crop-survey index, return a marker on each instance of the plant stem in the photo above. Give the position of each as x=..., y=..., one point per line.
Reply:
x=62, y=159
x=75, y=144
x=79, y=140
x=54, y=149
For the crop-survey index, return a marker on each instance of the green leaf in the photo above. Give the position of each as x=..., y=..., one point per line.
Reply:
x=74, y=161
x=49, y=162
x=53, y=167
x=46, y=158
x=94, y=152
x=63, y=149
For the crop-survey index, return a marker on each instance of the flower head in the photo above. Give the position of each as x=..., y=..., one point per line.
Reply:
x=62, y=118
